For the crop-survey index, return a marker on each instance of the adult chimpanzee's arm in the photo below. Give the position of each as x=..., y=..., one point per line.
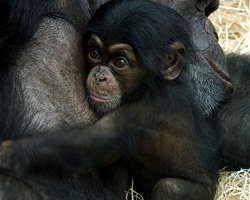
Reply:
x=74, y=149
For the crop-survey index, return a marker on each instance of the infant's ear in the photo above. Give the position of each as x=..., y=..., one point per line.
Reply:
x=173, y=61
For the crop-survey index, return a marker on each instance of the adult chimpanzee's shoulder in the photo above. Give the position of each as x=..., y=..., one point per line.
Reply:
x=20, y=19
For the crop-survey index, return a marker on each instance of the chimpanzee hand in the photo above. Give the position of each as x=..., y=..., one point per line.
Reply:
x=12, y=157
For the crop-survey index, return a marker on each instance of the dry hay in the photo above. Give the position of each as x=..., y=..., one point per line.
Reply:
x=232, y=22
x=234, y=185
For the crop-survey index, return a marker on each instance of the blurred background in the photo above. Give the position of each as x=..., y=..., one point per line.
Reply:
x=232, y=22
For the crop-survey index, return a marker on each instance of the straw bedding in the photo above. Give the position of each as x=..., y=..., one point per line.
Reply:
x=232, y=22
x=234, y=185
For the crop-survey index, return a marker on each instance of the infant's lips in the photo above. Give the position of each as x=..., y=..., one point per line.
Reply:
x=100, y=99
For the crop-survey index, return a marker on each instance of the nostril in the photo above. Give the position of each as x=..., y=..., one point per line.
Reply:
x=102, y=78
x=102, y=75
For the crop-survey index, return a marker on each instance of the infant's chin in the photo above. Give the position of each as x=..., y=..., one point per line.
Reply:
x=103, y=105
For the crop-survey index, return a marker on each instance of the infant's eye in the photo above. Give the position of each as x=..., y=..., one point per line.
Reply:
x=121, y=62
x=94, y=54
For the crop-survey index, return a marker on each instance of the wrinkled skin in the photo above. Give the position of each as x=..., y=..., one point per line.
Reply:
x=47, y=90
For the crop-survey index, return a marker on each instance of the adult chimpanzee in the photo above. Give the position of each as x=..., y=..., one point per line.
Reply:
x=148, y=74
x=234, y=117
x=41, y=73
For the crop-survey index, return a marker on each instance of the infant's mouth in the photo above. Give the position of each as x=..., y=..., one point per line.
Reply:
x=101, y=99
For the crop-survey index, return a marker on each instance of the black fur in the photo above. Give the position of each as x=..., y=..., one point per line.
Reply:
x=212, y=6
x=166, y=141
x=234, y=117
x=19, y=22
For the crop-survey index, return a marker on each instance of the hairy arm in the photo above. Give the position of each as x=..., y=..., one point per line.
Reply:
x=73, y=149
